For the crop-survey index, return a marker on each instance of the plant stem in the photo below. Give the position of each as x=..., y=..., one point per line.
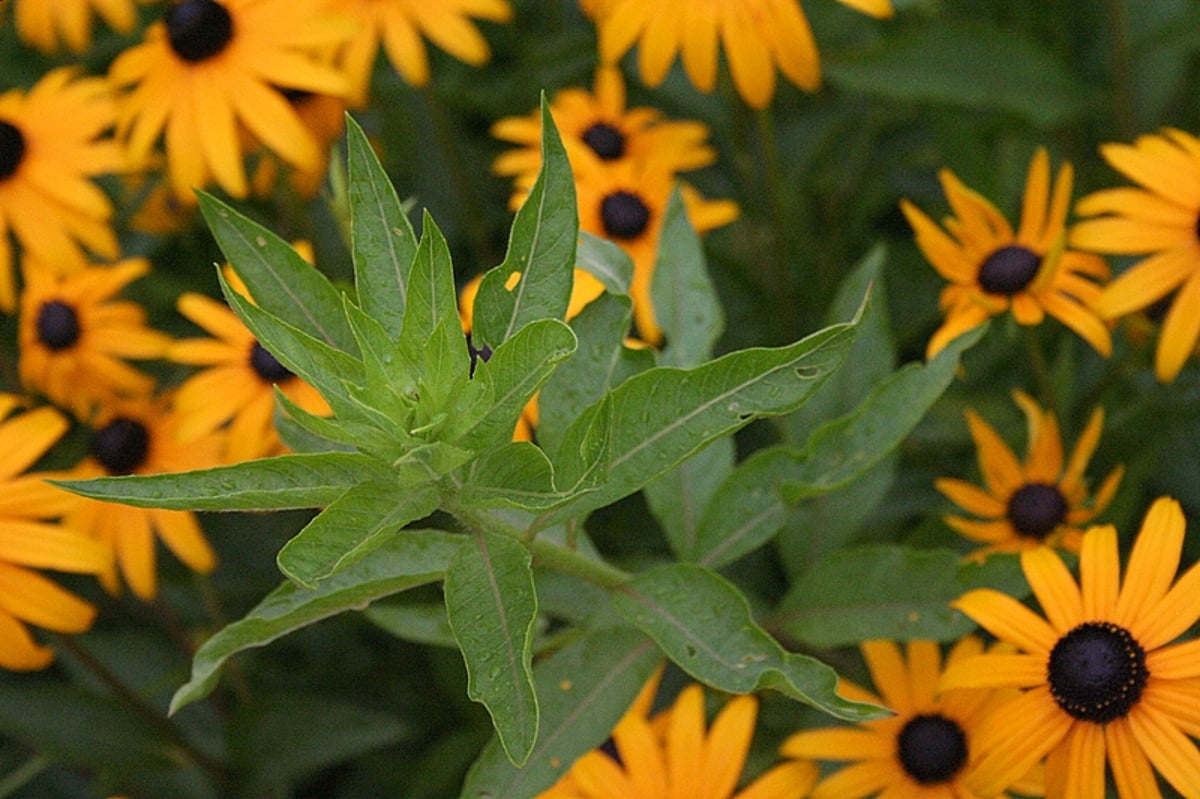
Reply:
x=1122, y=68
x=569, y=561
x=20, y=776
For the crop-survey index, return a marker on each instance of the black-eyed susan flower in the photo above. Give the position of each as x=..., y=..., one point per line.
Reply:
x=1159, y=219
x=74, y=336
x=1101, y=679
x=139, y=436
x=677, y=754
x=52, y=142
x=30, y=541
x=992, y=270
x=757, y=37
x=325, y=118
x=598, y=125
x=49, y=24
x=926, y=750
x=403, y=25
x=1043, y=500
x=236, y=386
x=208, y=67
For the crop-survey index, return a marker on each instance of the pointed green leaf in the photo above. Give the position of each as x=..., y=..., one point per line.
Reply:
x=299, y=480
x=703, y=624
x=341, y=434
x=601, y=363
x=514, y=373
x=383, y=244
x=357, y=522
x=517, y=474
x=403, y=562
x=432, y=301
x=752, y=504
x=888, y=591
x=492, y=605
x=686, y=306
x=679, y=497
x=278, y=278
x=658, y=418
x=541, y=248
x=605, y=261
x=583, y=691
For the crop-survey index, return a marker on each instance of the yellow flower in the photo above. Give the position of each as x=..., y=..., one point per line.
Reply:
x=237, y=385
x=926, y=750
x=50, y=146
x=46, y=24
x=991, y=269
x=1101, y=679
x=756, y=35
x=139, y=437
x=401, y=24
x=597, y=125
x=1040, y=501
x=28, y=541
x=74, y=336
x=325, y=118
x=674, y=756
x=207, y=67
x=1159, y=219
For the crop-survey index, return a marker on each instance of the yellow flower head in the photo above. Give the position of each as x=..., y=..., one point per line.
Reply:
x=991, y=269
x=237, y=385
x=51, y=145
x=139, y=436
x=926, y=750
x=756, y=35
x=47, y=24
x=1041, y=501
x=1100, y=679
x=673, y=755
x=74, y=337
x=1158, y=219
x=210, y=66
x=30, y=541
x=401, y=24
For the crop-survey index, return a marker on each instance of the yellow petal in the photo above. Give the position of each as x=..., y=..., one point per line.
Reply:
x=1099, y=572
x=1181, y=329
x=1008, y=620
x=1152, y=562
x=1054, y=587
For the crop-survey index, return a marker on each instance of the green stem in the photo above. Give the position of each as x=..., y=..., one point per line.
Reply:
x=20, y=776
x=572, y=562
x=1122, y=68
x=212, y=606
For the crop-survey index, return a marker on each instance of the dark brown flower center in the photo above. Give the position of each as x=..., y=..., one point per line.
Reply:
x=267, y=366
x=12, y=149
x=1036, y=509
x=605, y=140
x=1097, y=672
x=198, y=29
x=1009, y=270
x=121, y=446
x=624, y=215
x=57, y=325
x=931, y=748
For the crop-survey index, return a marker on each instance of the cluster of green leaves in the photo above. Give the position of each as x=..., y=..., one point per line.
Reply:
x=418, y=479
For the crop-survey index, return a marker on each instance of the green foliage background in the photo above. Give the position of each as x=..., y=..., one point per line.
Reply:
x=818, y=525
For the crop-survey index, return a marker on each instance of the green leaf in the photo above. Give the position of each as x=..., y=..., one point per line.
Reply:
x=419, y=622
x=704, y=625
x=277, y=277
x=516, y=475
x=514, y=373
x=541, y=248
x=359, y=521
x=752, y=505
x=686, y=305
x=405, y=561
x=655, y=420
x=492, y=605
x=605, y=261
x=383, y=244
x=975, y=65
x=679, y=497
x=298, y=480
x=583, y=691
x=601, y=363
x=888, y=591
x=432, y=309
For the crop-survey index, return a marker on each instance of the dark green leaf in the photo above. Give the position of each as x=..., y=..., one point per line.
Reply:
x=404, y=561
x=432, y=308
x=887, y=591
x=382, y=240
x=605, y=261
x=686, y=305
x=541, y=248
x=492, y=605
x=419, y=622
x=703, y=624
x=583, y=691
x=517, y=474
